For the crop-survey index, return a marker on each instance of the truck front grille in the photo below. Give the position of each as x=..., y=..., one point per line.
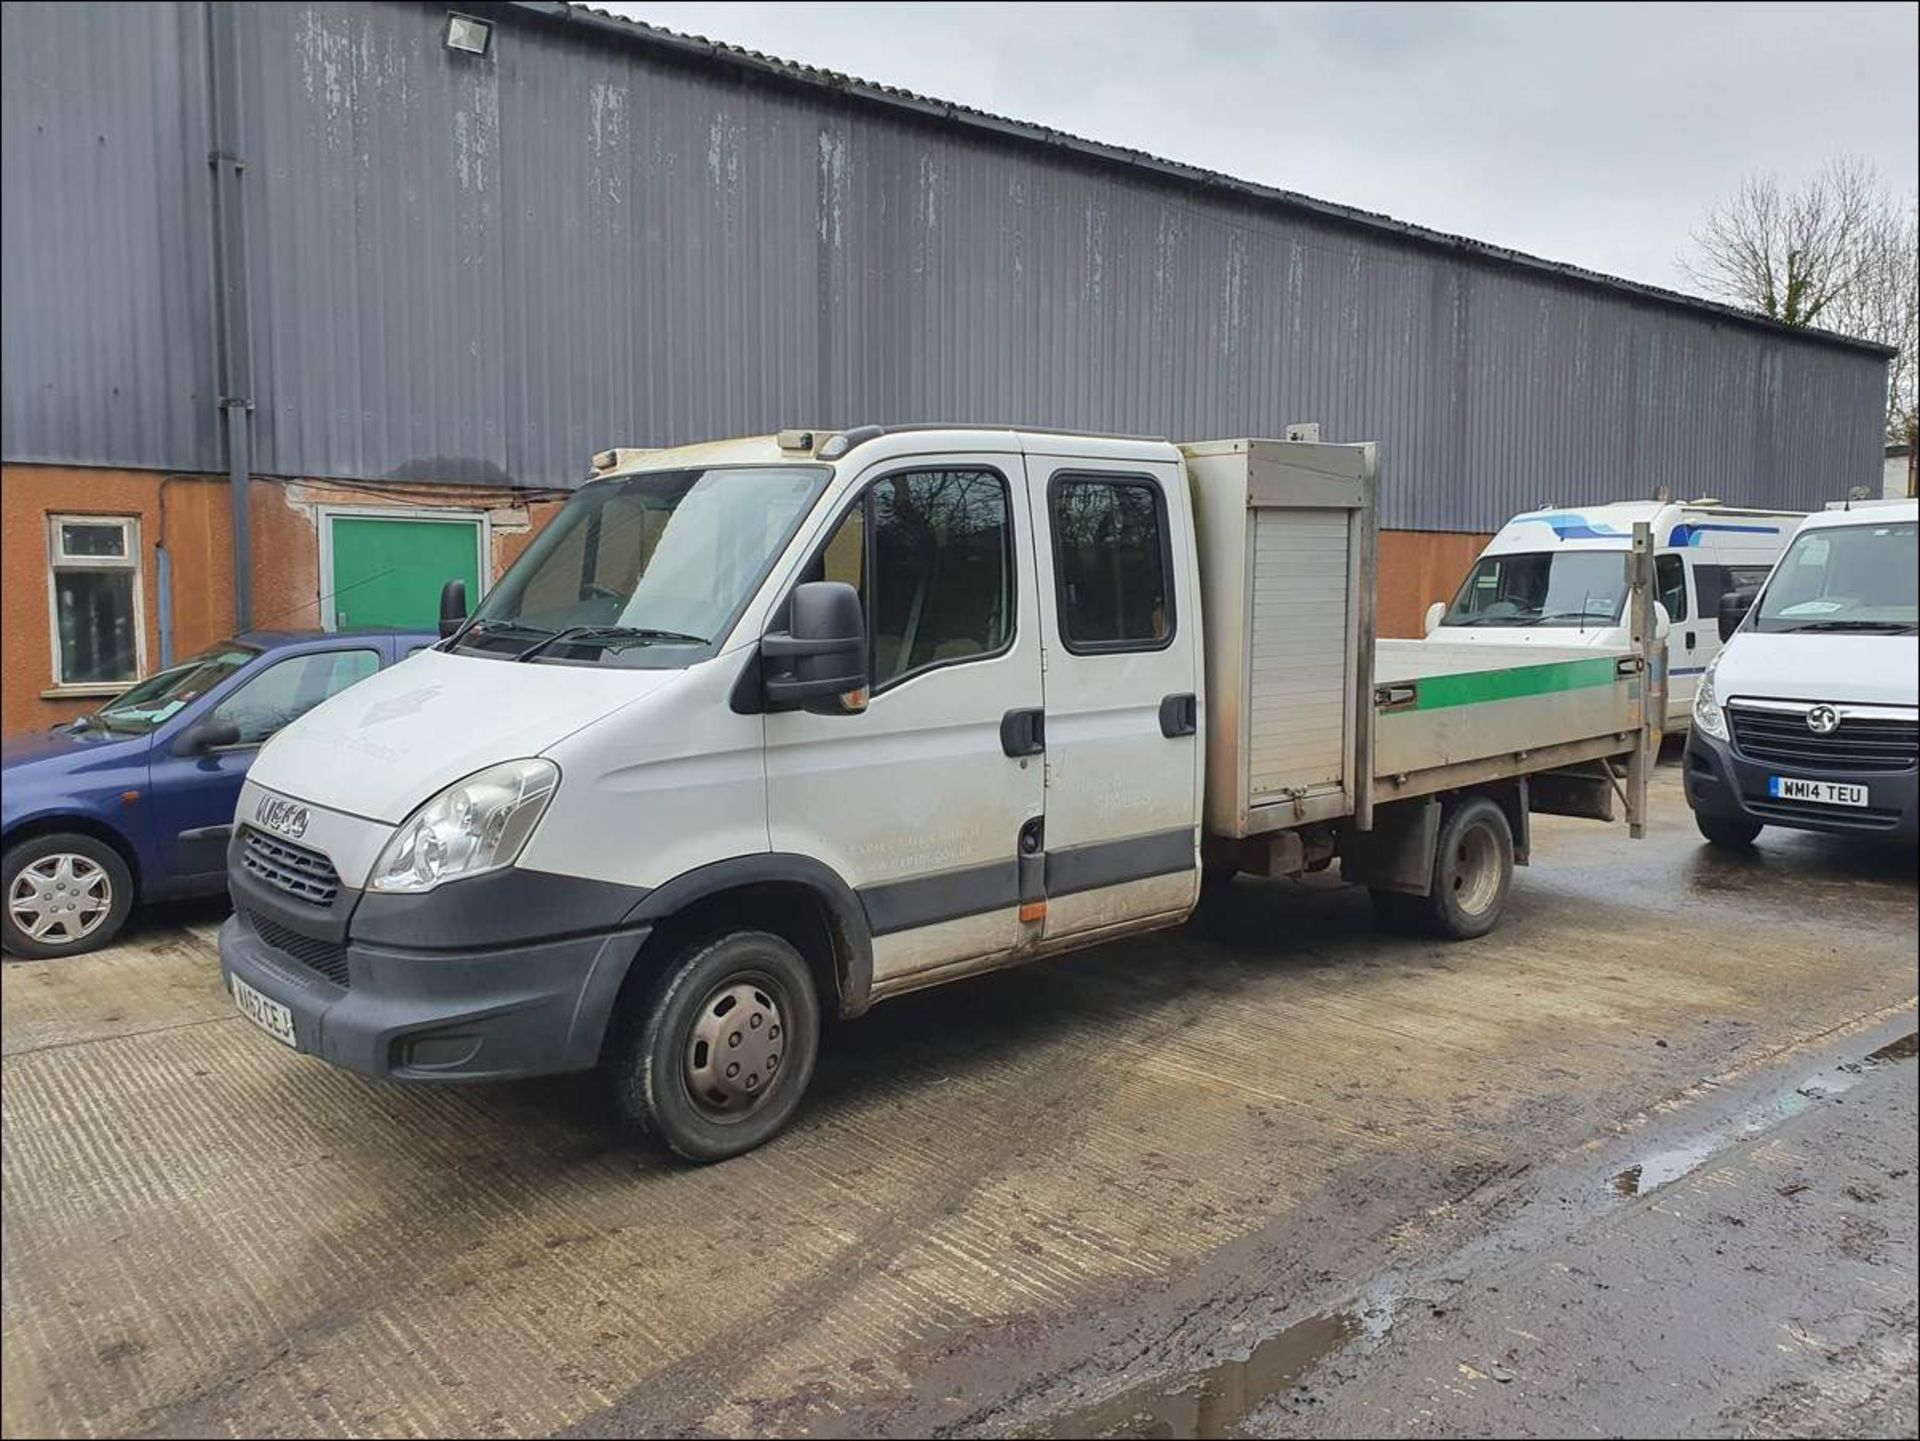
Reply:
x=327, y=958
x=1781, y=738
x=304, y=874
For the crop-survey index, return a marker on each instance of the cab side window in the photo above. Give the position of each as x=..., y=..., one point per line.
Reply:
x=1670, y=580
x=1111, y=563
x=288, y=690
x=931, y=553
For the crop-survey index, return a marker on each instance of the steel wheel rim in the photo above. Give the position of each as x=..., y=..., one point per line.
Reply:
x=1476, y=870
x=736, y=1049
x=60, y=899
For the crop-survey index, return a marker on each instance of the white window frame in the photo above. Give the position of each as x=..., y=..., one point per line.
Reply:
x=481, y=520
x=58, y=560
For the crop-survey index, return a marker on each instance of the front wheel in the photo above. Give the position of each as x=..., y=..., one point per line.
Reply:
x=1728, y=834
x=716, y=1060
x=67, y=894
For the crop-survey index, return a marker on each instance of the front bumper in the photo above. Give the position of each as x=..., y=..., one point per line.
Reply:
x=1722, y=783
x=527, y=1010
x=510, y=974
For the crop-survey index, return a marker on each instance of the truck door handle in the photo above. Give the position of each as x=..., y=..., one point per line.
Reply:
x=1692, y=640
x=1023, y=732
x=1179, y=715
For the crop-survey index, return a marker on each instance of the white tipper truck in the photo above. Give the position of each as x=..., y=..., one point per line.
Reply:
x=766, y=728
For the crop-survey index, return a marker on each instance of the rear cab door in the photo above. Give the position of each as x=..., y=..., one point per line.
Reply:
x=1112, y=525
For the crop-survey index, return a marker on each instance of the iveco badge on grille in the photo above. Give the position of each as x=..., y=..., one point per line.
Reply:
x=284, y=817
x=1823, y=720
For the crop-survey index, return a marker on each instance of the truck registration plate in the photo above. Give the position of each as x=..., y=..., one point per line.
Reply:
x=1821, y=793
x=265, y=1012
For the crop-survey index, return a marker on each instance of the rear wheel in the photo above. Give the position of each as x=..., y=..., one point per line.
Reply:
x=66, y=894
x=717, y=1058
x=1396, y=910
x=1729, y=834
x=1472, y=872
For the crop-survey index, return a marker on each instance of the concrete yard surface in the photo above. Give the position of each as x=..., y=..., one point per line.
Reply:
x=1388, y=1179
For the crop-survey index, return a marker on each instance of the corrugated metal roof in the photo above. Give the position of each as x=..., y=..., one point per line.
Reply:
x=928, y=107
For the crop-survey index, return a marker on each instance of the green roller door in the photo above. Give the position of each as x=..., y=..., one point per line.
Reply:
x=389, y=571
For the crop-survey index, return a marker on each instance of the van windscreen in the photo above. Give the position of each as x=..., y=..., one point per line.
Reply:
x=1574, y=588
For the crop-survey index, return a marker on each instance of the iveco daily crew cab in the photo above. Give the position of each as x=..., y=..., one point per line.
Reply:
x=1558, y=577
x=1809, y=718
x=763, y=728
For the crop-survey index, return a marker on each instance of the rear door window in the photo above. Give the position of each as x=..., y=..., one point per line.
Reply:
x=1112, y=563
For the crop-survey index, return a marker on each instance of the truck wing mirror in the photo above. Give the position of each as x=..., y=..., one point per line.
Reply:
x=453, y=607
x=205, y=735
x=1734, y=606
x=1436, y=613
x=821, y=657
x=1662, y=622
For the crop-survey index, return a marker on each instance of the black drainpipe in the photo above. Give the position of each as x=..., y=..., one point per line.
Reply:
x=232, y=320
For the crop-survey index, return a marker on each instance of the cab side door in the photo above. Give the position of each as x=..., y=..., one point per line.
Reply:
x=1686, y=655
x=1121, y=627
x=920, y=800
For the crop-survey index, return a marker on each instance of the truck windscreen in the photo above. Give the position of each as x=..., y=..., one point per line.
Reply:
x=644, y=569
x=1544, y=588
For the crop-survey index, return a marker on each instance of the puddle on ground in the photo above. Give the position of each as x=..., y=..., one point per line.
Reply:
x=1903, y=1049
x=1663, y=1167
x=1201, y=1404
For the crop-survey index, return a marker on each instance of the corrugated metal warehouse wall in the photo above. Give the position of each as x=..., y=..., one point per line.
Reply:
x=483, y=269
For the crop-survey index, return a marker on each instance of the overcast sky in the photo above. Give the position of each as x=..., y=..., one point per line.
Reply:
x=1592, y=134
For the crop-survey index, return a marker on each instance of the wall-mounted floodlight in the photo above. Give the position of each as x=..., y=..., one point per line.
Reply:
x=468, y=35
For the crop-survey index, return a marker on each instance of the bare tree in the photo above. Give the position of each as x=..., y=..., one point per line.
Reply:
x=1839, y=253
x=1883, y=304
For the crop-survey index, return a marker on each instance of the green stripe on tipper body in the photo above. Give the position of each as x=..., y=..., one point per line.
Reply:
x=1475, y=687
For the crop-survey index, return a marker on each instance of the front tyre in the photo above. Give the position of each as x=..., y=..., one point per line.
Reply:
x=716, y=1060
x=66, y=894
x=1728, y=834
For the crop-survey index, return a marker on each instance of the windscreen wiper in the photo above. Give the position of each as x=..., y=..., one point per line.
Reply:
x=1583, y=616
x=1885, y=627
x=473, y=629
x=607, y=634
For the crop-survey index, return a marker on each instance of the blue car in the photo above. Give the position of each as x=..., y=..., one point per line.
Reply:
x=135, y=801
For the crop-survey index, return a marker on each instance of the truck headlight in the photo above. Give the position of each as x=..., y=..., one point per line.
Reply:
x=475, y=825
x=1707, y=714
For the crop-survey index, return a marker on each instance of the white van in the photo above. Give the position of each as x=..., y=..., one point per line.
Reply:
x=1557, y=577
x=1809, y=717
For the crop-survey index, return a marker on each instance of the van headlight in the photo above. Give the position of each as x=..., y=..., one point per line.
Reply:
x=475, y=825
x=1707, y=714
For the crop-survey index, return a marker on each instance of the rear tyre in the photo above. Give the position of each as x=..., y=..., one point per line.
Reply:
x=1397, y=911
x=1731, y=835
x=1472, y=871
x=66, y=894
x=716, y=1059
